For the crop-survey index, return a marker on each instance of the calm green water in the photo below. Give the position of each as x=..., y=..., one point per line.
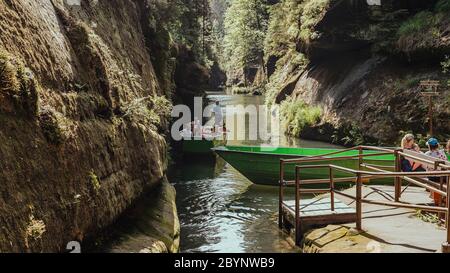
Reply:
x=219, y=209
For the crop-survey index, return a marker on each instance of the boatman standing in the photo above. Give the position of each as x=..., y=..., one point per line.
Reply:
x=218, y=117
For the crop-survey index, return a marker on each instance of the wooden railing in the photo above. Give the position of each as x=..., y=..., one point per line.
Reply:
x=442, y=170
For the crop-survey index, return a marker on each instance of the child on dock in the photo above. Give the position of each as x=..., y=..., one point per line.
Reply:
x=434, y=151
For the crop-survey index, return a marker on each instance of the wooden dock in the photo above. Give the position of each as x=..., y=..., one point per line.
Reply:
x=303, y=214
x=317, y=212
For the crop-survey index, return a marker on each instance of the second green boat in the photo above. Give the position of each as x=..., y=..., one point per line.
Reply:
x=261, y=165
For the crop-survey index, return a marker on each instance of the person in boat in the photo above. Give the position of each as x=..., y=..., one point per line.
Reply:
x=218, y=116
x=186, y=133
x=409, y=143
x=197, y=128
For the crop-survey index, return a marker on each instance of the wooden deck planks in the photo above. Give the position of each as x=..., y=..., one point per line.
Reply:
x=317, y=212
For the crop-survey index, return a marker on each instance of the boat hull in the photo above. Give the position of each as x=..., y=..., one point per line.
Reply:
x=200, y=147
x=264, y=168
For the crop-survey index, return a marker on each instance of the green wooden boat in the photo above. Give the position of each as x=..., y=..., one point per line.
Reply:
x=262, y=165
x=201, y=147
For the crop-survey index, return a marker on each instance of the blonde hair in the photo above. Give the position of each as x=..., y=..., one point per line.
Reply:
x=407, y=139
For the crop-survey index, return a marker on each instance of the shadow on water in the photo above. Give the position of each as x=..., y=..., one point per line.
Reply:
x=221, y=211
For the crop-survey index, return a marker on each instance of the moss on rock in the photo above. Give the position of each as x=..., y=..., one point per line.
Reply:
x=18, y=87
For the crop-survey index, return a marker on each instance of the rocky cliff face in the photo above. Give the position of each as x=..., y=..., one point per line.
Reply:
x=362, y=64
x=83, y=119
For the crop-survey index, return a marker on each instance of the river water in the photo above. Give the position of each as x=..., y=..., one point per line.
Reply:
x=219, y=209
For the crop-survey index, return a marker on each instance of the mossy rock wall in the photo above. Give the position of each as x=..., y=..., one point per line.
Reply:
x=361, y=67
x=71, y=159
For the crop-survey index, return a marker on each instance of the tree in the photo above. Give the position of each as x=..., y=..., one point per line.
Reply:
x=245, y=29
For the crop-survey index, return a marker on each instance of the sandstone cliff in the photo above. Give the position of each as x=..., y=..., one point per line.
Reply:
x=83, y=119
x=362, y=65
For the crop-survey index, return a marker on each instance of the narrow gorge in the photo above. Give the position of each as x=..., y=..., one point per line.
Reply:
x=86, y=90
x=339, y=64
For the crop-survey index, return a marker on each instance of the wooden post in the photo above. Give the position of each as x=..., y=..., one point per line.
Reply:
x=281, y=195
x=430, y=114
x=398, y=180
x=446, y=244
x=431, y=90
x=360, y=159
x=359, y=203
x=332, y=189
x=298, y=231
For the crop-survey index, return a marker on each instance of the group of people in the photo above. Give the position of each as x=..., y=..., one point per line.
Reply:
x=434, y=150
x=197, y=129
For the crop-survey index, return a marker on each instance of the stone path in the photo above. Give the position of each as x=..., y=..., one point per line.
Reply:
x=386, y=229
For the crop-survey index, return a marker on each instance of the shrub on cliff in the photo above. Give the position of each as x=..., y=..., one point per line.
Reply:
x=443, y=6
x=9, y=83
x=54, y=126
x=313, y=13
x=297, y=115
x=151, y=111
x=95, y=181
x=34, y=231
x=421, y=21
x=426, y=30
x=18, y=88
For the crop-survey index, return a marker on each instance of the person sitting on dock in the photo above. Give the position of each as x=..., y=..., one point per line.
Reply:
x=434, y=151
x=409, y=143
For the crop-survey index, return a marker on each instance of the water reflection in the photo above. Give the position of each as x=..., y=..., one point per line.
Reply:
x=225, y=212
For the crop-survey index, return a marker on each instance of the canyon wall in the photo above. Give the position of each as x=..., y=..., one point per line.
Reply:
x=362, y=66
x=83, y=119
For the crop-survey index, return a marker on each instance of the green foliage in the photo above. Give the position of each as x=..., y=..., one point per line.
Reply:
x=297, y=115
x=218, y=10
x=95, y=181
x=421, y=21
x=148, y=111
x=245, y=30
x=9, y=82
x=53, y=125
x=406, y=83
x=428, y=217
x=35, y=229
x=443, y=6
x=290, y=63
x=18, y=84
x=236, y=90
x=284, y=27
x=426, y=22
x=183, y=20
x=446, y=65
x=354, y=136
x=313, y=12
